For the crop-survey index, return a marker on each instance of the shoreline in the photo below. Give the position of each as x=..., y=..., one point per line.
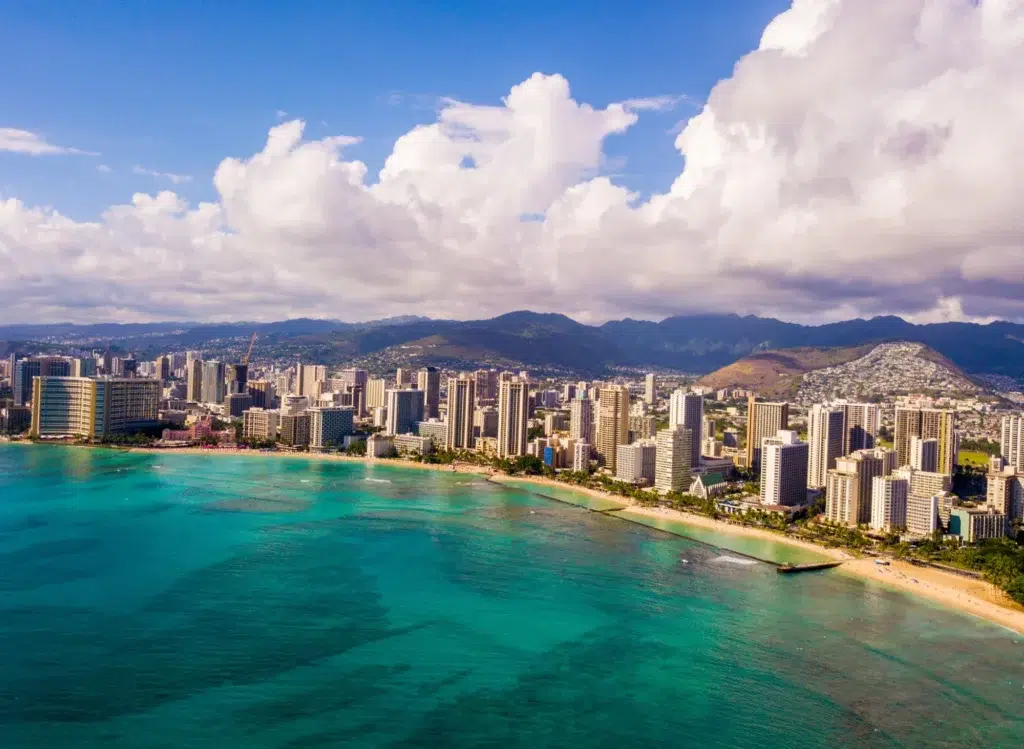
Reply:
x=970, y=596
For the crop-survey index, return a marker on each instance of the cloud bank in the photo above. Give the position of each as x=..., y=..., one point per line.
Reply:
x=865, y=159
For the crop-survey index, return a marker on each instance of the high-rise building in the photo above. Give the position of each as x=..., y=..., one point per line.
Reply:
x=636, y=463
x=26, y=370
x=194, y=380
x=889, y=503
x=568, y=393
x=707, y=429
x=485, y=422
x=554, y=421
x=927, y=423
x=642, y=427
x=329, y=425
x=213, y=382
x=674, y=461
x=1011, y=441
x=581, y=418
x=461, y=404
x=428, y=380
x=1005, y=492
x=763, y=420
x=293, y=429
x=512, y=418
x=650, y=389
x=826, y=438
x=162, y=368
x=94, y=408
x=486, y=385
x=309, y=379
x=237, y=378
x=404, y=377
x=581, y=457
x=375, y=389
x=924, y=454
x=784, y=469
x=235, y=404
x=260, y=424
x=404, y=410
x=612, y=423
x=83, y=367
x=262, y=393
x=849, y=487
x=353, y=376
x=687, y=410
x=861, y=420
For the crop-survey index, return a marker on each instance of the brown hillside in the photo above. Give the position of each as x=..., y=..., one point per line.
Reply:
x=778, y=373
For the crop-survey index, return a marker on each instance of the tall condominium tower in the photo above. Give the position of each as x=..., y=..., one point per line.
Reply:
x=927, y=423
x=612, y=423
x=428, y=380
x=512, y=418
x=924, y=454
x=763, y=420
x=405, y=408
x=783, y=470
x=826, y=435
x=889, y=503
x=686, y=410
x=461, y=404
x=861, y=426
x=581, y=418
x=1011, y=441
x=194, y=380
x=673, y=459
x=213, y=382
x=26, y=370
x=375, y=390
x=650, y=389
x=848, y=490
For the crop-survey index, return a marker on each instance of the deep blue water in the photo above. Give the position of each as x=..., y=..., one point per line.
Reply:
x=208, y=601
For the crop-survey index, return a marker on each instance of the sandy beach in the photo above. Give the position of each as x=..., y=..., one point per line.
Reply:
x=966, y=594
x=333, y=457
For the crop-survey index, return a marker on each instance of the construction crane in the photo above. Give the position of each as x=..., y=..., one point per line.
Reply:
x=248, y=353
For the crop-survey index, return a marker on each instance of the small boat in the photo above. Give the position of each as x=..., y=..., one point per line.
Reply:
x=882, y=562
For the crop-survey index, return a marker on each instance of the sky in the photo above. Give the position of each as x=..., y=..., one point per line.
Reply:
x=813, y=160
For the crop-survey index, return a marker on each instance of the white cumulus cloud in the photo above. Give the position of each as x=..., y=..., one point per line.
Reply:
x=863, y=160
x=14, y=140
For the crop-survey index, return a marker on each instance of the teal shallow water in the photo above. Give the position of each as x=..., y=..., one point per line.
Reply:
x=207, y=601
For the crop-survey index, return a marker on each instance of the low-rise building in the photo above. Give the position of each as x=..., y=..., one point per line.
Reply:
x=379, y=446
x=436, y=429
x=413, y=444
x=708, y=485
x=977, y=524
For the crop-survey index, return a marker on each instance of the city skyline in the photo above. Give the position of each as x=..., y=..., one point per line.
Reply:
x=526, y=180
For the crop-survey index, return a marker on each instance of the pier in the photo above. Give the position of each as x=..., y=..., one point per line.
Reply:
x=792, y=569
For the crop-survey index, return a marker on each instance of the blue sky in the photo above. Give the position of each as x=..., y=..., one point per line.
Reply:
x=177, y=86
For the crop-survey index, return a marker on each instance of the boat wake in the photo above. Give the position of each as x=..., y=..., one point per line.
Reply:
x=377, y=481
x=726, y=559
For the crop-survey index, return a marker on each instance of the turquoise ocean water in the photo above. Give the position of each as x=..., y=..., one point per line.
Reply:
x=208, y=601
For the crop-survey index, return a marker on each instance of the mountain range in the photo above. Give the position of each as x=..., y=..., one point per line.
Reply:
x=698, y=343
